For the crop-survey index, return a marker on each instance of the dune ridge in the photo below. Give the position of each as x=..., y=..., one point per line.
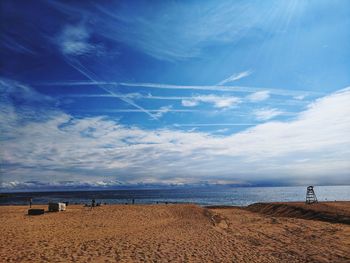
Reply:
x=335, y=212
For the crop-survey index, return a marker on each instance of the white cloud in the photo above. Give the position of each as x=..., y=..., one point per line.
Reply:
x=267, y=114
x=163, y=110
x=300, y=97
x=259, y=96
x=189, y=103
x=217, y=101
x=235, y=77
x=74, y=40
x=60, y=147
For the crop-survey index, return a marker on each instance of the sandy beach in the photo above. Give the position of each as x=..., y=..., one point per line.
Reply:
x=279, y=232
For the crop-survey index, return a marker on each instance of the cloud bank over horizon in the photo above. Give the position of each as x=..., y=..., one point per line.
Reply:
x=54, y=146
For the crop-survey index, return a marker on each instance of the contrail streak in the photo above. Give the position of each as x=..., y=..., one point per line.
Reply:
x=214, y=124
x=246, y=89
x=236, y=76
x=83, y=70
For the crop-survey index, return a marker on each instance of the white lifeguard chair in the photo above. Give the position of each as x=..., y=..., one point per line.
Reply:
x=310, y=195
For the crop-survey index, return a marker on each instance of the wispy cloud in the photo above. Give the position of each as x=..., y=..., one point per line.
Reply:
x=235, y=77
x=283, y=92
x=217, y=101
x=91, y=76
x=163, y=110
x=74, y=40
x=267, y=114
x=259, y=96
x=248, y=89
x=300, y=97
x=190, y=101
x=186, y=101
x=106, y=95
x=18, y=90
x=202, y=24
x=13, y=44
x=156, y=112
x=212, y=124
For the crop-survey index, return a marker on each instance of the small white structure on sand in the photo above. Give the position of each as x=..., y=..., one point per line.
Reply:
x=56, y=207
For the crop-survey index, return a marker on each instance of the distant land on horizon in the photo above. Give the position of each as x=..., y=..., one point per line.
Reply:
x=38, y=187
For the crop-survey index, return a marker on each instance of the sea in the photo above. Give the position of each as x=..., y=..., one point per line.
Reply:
x=205, y=196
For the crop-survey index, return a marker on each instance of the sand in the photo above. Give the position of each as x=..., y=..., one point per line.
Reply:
x=173, y=233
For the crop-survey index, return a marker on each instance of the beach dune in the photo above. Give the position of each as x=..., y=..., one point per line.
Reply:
x=174, y=233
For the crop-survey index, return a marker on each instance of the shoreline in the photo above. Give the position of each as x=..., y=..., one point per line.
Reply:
x=222, y=206
x=317, y=211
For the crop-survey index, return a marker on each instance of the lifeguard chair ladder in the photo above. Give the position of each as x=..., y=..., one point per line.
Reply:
x=310, y=195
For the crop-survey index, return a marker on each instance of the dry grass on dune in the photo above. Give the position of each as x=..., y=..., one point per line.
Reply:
x=336, y=212
x=167, y=233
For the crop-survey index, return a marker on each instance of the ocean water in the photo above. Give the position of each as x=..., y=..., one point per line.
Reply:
x=239, y=196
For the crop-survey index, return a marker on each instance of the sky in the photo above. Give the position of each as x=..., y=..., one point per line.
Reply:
x=115, y=93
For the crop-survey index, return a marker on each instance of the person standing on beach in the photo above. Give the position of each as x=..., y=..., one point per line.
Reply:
x=93, y=202
x=30, y=202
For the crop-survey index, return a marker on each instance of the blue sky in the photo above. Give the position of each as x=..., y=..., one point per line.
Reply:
x=174, y=92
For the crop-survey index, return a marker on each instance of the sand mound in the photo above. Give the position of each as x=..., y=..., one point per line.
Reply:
x=329, y=212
